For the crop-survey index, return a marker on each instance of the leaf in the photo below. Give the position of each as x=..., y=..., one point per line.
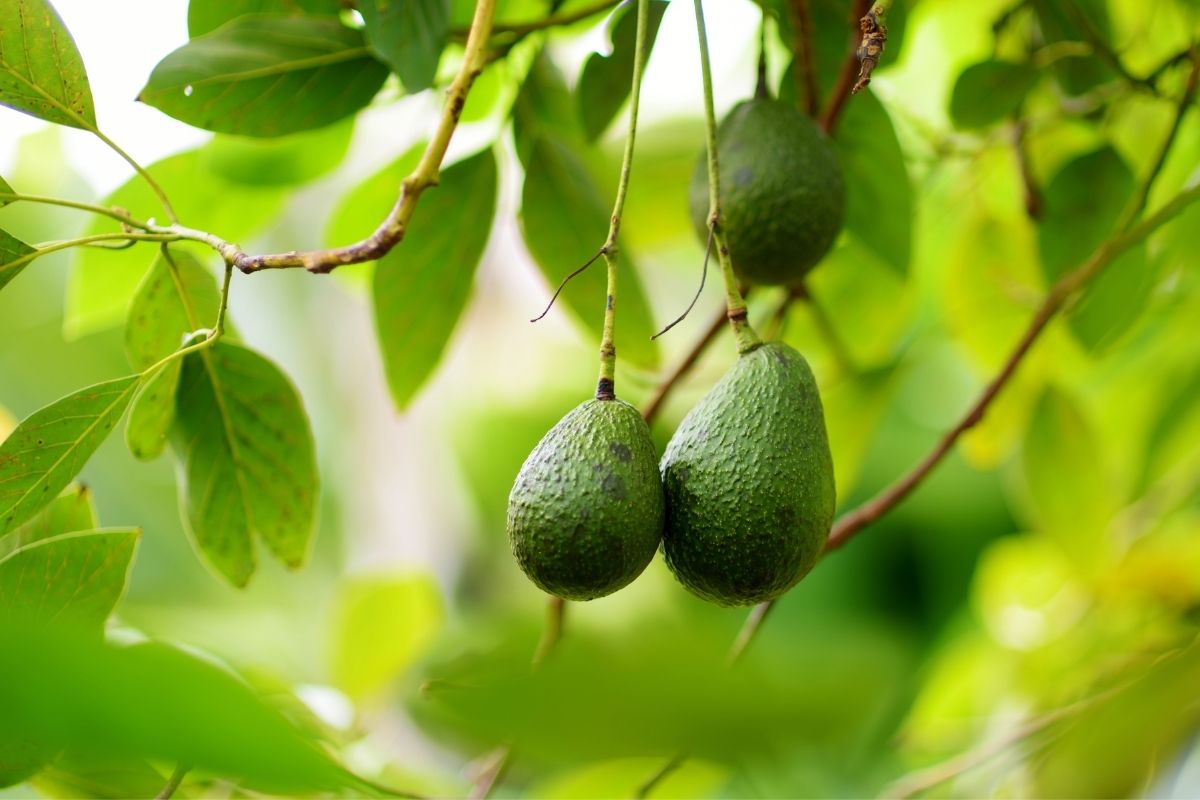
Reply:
x=102, y=281
x=177, y=297
x=879, y=199
x=286, y=161
x=365, y=206
x=408, y=607
x=1065, y=477
x=72, y=578
x=1082, y=203
x=249, y=466
x=41, y=71
x=153, y=701
x=11, y=248
x=1081, y=73
x=624, y=777
x=205, y=16
x=606, y=80
x=50, y=447
x=987, y=92
x=421, y=287
x=5, y=188
x=153, y=413
x=266, y=76
x=565, y=221
x=71, y=511
x=409, y=36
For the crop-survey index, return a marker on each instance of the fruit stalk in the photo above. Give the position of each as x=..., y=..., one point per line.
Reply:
x=735, y=304
x=605, y=386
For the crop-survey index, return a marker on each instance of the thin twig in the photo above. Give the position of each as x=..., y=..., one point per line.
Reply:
x=804, y=71
x=172, y=785
x=562, y=284
x=699, y=290
x=490, y=774
x=847, y=75
x=1060, y=293
x=655, y=403
x=650, y=784
x=556, y=609
x=1033, y=198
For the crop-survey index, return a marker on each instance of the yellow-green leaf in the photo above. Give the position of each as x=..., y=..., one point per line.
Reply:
x=41, y=72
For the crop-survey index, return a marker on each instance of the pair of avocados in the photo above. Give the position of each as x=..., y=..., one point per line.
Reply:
x=743, y=498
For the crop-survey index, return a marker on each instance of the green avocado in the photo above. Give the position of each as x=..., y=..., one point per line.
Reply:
x=748, y=481
x=782, y=195
x=585, y=515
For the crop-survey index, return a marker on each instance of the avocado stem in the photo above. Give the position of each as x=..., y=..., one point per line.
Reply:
x=605, y=386
x=735, y=305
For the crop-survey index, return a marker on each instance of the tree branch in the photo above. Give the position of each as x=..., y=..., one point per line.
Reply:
x=803, y=70
x=846, y=76
x=1058, y=296
x=655, y=403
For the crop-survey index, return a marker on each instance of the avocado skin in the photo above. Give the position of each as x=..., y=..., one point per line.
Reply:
x=585, y=515
x=748, y=481
x=782, y=195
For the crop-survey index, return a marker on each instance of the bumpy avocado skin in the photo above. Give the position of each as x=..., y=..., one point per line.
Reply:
x=585, y=515
x=748, y=481
x=782, y=195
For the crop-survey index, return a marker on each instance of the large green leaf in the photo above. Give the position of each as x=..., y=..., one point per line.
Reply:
x=606, y=80
x=250, y=469
x=177, y=296
x=267, y=75
x=205, y=16
x=41, y=72
x=71, y=511
x=565, y=221
x=153, y=412
x=150, y=700
x=989, y=91
x=50, y=447
x=286, y=161
x=879, y=199
x=102, y=281
x=1064, y=469
x=4, y=187
x=422, y=286
x=74, y=578
x=11, y=249
x=1082, y=203
x=409, y=36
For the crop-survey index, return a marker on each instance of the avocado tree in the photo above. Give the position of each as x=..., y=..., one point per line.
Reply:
x=953, y=248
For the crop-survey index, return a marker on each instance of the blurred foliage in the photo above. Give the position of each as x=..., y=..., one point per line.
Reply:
x=1025, y=624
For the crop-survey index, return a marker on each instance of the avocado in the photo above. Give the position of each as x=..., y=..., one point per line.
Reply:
x=748, y=482
x=782, y=194
x=585, y=515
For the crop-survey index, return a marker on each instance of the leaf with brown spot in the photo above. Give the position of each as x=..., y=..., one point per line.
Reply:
x=41, y=71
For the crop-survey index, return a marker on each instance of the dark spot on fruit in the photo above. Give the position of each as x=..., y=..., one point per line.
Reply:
x=621, y=451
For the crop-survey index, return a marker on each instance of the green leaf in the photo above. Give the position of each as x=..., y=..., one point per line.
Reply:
x=565, y=221
x=89, y=570
x=286, y=161
x=408, y=607
x=1082, y=203
x=153, y=413
x=987, y=92
x=50, y=447
x=250, y=467
x=1057, y=23
x=365, y=206
x=71, y=511
x=177, y=297
x=879, y=199
x=153, y=701
x=205, y=16
x=1064, y=469
x=606, y=80
x=421, y=287
x=102, y=281
x=623, y=778
x=266, y=76
x=11, y=249
x=408, y=36
x=41, y=72
x=4, y=187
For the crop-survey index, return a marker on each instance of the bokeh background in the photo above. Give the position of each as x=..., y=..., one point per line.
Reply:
x=1034, y=603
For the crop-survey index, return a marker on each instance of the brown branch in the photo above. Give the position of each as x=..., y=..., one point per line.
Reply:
x=803, y=70
x=1033, y=198
x=654, y=405
x=847, y=75
x=391, y=231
